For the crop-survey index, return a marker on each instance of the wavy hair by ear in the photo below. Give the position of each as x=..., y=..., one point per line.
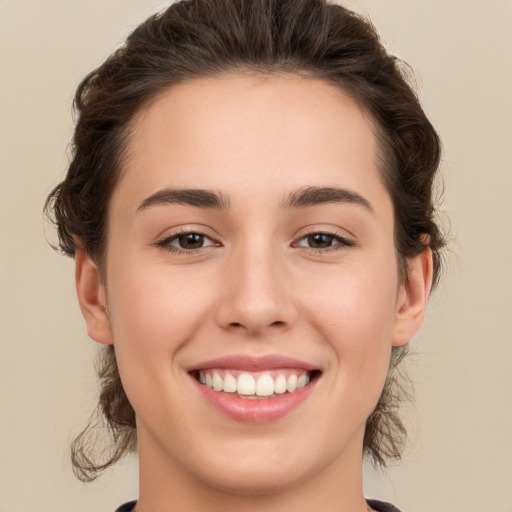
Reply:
x=110, y=432
x=385, y=434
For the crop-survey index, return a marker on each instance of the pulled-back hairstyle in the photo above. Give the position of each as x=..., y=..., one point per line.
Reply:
x=206, y=38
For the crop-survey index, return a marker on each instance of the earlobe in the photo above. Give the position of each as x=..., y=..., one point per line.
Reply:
x=413, y=296
x=92, y=298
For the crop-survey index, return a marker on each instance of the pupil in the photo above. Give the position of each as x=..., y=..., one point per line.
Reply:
x=320, y=240
x=191, y=241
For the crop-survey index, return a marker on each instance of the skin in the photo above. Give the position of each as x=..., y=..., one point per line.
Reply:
x=257, y=287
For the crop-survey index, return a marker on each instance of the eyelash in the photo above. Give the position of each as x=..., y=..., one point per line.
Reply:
x=342, y=242
x=166, y=243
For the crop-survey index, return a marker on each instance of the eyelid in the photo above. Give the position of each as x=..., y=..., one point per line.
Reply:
x=164, y=242
x=343, y=241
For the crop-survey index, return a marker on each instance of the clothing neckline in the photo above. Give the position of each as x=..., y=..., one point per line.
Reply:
x=378, y=506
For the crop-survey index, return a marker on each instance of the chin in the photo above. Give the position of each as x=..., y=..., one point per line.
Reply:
x=256, y=481
x=255, y=468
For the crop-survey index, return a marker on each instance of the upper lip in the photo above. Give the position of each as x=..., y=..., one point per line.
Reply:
x=254, y=363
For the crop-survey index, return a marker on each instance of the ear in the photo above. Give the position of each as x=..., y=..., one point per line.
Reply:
x=412, y=298
x=92, y=298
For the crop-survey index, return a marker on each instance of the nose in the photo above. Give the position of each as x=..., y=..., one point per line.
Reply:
x=257, y=296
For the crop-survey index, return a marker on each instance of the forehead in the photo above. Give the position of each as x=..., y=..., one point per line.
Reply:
x=244, y=132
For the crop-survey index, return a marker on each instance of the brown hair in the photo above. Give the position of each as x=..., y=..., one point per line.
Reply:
x=202, y=38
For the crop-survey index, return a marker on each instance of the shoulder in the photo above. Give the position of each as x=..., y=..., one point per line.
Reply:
x=381, y=506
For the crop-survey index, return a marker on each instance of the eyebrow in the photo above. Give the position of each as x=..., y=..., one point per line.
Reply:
x=311, y=196
x=303, y=198
x=192, y=197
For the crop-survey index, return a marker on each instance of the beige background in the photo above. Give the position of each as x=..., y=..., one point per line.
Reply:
x=461, y=449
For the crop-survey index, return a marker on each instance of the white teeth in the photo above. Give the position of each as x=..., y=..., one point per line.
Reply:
x=265, y=385
x=291, y=383
x=302, y=381
x=246, y=385
x=229, y=383
x=249, y=386
x=217, y=382
x=280, y=384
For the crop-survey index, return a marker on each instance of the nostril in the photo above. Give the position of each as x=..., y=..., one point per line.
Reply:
x=241, y=325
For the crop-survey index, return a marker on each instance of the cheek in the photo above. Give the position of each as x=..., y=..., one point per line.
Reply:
x=153, y=315
x=360, y=303
x=149, y=299
x=356, y=320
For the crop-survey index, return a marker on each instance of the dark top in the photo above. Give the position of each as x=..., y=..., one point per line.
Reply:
x=379, y=506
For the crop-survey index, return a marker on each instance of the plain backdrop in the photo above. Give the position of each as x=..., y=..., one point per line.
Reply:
x=460, y=449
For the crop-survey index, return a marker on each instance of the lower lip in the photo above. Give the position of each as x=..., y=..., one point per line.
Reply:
x=255, y=411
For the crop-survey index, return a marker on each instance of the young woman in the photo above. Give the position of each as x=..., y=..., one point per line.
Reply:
x=249, y=206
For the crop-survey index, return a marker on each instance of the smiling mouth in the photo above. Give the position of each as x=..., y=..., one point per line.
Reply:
x=255, y=385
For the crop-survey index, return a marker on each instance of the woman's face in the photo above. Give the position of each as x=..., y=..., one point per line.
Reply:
x=250, y=247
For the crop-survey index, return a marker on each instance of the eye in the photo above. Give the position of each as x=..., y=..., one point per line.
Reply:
x=323, y=241
x=186, y=241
